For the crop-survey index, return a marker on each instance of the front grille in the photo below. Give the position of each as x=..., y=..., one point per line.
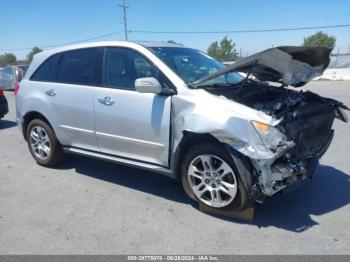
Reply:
x=310, y=130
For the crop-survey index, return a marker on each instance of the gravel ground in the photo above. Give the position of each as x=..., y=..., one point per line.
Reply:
x=92, y=207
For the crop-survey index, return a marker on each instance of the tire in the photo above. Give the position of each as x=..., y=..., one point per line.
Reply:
x=43, y=144
x=236, y=200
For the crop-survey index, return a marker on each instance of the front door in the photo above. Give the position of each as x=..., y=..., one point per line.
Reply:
x=131, y=124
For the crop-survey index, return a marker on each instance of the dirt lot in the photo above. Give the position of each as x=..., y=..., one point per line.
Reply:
x=92, y=207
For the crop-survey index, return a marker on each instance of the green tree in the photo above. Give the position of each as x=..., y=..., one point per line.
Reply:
x=213, y=50
x=320, y=39
x=226, y=51
x=34, y=51
x=7, y=58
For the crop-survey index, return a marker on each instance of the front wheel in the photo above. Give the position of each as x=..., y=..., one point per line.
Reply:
x=210, y=176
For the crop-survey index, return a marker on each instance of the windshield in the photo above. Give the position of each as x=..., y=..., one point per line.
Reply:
x=192, y=65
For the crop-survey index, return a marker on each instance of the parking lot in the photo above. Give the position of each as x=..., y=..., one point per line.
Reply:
x=88, y=206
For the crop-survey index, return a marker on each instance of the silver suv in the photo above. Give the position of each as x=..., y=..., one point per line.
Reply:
x=231, y=140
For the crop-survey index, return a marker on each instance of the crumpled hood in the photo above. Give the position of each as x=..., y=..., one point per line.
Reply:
x=289, y=65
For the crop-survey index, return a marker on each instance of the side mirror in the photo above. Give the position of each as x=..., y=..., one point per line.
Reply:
x=148, y=85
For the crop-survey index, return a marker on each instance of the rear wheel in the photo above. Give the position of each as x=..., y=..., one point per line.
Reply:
x=43, y=144
x=210, y=176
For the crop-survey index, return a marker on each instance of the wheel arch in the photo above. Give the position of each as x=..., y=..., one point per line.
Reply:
x=243, y=163
x=31, y=116
x=188, y=140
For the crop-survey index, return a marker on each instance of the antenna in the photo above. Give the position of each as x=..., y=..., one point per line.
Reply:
x=124, y=6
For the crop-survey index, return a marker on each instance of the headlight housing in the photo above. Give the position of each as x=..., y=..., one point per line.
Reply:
x=270, y=136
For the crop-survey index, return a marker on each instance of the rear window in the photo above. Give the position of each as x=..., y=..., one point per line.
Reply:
x=46, y=72
x=79, y=67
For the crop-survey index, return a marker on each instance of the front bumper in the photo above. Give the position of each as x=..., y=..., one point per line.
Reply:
x=3, y=106
x=274, y=175
x=286, y=174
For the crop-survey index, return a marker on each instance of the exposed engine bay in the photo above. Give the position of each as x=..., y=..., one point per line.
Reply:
x=306, y=120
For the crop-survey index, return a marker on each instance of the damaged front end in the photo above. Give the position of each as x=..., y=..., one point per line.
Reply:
x=291, y=146
x=301, y=131
x=307, y=132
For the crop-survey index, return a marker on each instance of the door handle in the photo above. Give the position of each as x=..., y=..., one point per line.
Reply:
x=50, y=92
x=106, y=101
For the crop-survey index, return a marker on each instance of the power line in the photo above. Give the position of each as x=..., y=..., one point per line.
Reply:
x=124, y=6
x=66, y=43
x=240, y=31
x=181, y=32
x=83, y=40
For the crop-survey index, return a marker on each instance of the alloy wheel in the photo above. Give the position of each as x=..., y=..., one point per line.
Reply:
x=40, y=142
x=212, y=180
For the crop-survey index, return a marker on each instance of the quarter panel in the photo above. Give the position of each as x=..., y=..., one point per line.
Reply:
x=30, y=98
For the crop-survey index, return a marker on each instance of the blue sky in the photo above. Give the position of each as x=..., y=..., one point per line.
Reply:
x=26, y=23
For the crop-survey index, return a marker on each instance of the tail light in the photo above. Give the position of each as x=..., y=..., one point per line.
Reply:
x=16, y=88
x=1, y=92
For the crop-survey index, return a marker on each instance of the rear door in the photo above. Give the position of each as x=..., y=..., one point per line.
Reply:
x=131, y=124
x=71, y=96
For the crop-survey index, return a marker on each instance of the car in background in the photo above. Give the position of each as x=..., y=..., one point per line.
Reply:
x=3, y=104
x=10, y=75
x=21, y=71
x=6, y=81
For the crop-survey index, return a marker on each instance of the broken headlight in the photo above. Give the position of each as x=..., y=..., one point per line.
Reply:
x=270, y=136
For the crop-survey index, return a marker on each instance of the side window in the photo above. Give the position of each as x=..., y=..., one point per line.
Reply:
x=79, y=67
x=46, y=71
x=123, y=66
x=143, y=68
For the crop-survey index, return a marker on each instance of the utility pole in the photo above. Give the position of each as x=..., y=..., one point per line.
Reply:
x=124, y=6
